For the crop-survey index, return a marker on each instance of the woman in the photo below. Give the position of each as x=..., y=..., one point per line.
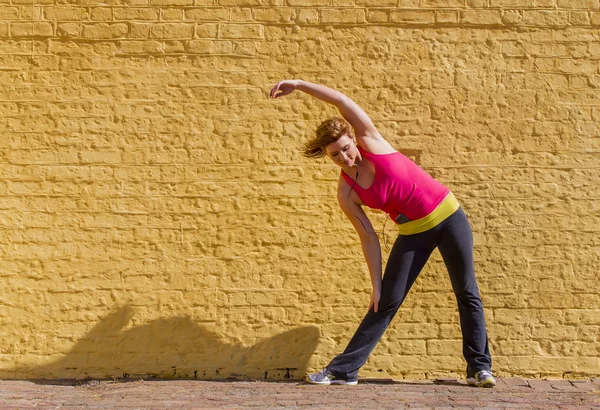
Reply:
x=374, y=174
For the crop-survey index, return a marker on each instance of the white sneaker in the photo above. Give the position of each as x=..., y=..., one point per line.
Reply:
x=325, y=377
x=482, y=378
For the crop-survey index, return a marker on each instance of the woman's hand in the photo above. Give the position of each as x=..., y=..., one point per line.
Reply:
x=375, y=296
x=284, y=88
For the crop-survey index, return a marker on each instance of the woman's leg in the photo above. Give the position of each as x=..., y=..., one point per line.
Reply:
x=456, y=247
x=407, y=258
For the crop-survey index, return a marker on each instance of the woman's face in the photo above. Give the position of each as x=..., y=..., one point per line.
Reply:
x=343, y=152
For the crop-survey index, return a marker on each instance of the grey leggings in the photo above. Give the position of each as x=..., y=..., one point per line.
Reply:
x=454, y=238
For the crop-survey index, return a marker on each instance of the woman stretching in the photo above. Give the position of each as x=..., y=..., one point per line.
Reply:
x=427, y=214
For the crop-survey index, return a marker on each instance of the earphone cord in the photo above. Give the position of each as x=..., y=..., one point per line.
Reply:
x=383, y=234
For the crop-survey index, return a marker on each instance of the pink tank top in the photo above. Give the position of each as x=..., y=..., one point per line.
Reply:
x=400, y=189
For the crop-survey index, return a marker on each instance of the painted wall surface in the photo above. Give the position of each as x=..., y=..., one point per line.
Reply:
x=157, y=218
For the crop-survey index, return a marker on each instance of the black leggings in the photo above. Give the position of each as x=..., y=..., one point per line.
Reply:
x=454, y=239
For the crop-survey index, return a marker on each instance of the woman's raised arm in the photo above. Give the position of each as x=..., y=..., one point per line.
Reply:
x=358, y=119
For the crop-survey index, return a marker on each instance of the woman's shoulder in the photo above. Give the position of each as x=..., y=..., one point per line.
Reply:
x=345, y=191
x=343, y=180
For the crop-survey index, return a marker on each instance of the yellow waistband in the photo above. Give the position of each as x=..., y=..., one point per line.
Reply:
x=446, y=208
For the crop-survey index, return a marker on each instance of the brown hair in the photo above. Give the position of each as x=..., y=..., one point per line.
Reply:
x=329, y=131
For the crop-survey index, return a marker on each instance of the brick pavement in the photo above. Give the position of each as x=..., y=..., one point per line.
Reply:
x=511, y=393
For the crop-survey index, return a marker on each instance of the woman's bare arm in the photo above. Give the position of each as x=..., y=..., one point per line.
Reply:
x=366, y=133
x=368, y=239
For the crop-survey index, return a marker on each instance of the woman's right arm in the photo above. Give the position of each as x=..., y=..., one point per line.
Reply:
x=364, y=129
x=368, y=240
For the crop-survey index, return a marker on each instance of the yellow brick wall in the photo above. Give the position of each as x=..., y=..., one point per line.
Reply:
x=157, y=219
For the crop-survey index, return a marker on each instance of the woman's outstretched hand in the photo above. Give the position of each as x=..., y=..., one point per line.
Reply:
x=284, y=88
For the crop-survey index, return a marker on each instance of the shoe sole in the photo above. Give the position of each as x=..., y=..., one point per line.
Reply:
x=327, y=383
x=487, y=384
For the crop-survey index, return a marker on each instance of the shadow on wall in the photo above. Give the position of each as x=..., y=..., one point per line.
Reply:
x=177, y=348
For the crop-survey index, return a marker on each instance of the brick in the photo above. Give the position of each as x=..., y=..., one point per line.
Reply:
x=447, y=17
x=571, y=349
x=209, y=47
x=481, y=17
x=172, y=30
x=511, y=17
x=574, y=66
x=65, y=13
x=582, y=364
x=382, y=3
x=478, y=4
x=343, y=16
x=32, y=13
x=207, y=14
x=578, y=4
x=517, y=348
x=8, y=108
x=342, y=3
x=45, y=62
x=411, y=4
x=37, y=2
x=545, y=18
x=9, y=13
x=245, y=48
x=206, y=30
x=69, y=29
x=412, y=347
x=141, y=47
x=540, y=385
x=101, y=14
x=516, y=382
x=412, y=17
x=279, y=15
x=579, y=18
x=563, y=385
x=171, y=2
x=38, y=29
x=443, y=347
x=174, y=47
x=378, y=16
x=522, y=4
x=307, y=3
x=446, y=4
x=23, y=46
x=171, y=14
x=307, y=16
x=583, y=385
x=514, y=49
x=136, y=13
x=240, y=15
x=139, y=30
x=104, y=30
x=238, y=31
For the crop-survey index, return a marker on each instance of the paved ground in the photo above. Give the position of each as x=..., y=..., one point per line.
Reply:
x=369, y=394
